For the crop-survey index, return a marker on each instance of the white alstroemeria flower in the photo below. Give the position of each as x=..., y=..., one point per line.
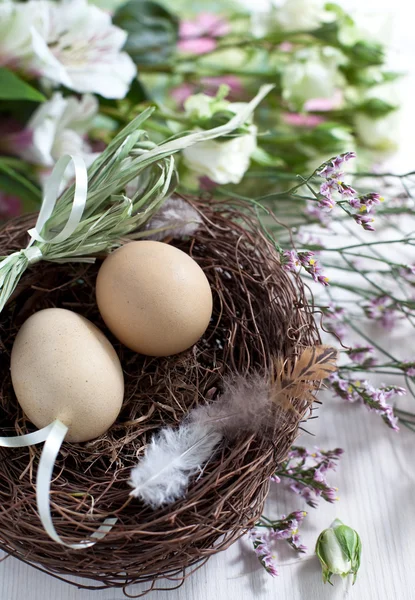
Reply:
x=312, y=73
x=59, y=127
x=71, y=43
x=222, y=161
x=21, y=43
x=302, y=15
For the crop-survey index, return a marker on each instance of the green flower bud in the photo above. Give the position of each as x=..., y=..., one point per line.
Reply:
x=339, y=549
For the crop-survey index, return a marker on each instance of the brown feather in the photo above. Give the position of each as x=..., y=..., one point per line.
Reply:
x=301, y=378
x=260, y=404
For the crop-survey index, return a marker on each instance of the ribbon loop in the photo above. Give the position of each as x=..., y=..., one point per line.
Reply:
x=53, y=435
x=51, y=195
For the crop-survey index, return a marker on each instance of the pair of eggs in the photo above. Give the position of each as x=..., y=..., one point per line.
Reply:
x=153, y=297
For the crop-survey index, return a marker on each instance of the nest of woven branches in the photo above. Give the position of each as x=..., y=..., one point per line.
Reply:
x=260, y=313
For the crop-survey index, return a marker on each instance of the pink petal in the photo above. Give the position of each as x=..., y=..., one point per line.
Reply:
x=301, y=120
x=197, y=46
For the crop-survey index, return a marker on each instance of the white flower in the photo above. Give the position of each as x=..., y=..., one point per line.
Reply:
x=370, y=27
x=222, y=161
x=312, y=73
x=383, y=133
x=302, y=15
x=378, y=134
x=70, y=43
x=59, y=127
x=21, y=45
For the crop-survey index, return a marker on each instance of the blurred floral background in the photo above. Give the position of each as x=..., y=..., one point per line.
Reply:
x=74, y=72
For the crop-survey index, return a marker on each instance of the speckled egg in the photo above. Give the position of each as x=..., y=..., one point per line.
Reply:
x=154, y=298
x=63, y=367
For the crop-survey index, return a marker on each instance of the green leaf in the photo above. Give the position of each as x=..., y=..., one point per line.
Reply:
x=348, y=540
x=14, y=183
x=376, y=108
x=152, y=31
x=365, y=54
x=14, y=88
x=137, y=92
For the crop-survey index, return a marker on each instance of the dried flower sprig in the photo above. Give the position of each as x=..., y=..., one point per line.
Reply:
x=371, y=281
x=267, y=531
x=376, y=399
x=306, y=471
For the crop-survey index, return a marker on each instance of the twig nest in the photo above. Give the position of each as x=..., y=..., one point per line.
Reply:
x=259, y=312
x=154, y=298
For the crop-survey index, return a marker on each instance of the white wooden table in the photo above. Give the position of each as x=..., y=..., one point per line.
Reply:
x=376, y=479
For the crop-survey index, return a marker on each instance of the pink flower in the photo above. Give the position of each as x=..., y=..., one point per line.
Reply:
x=301, y=120
x=10, y=206
x=198, y=36
x=182, y=92
x=325, y=104
x=13, y=138
x=208, y=86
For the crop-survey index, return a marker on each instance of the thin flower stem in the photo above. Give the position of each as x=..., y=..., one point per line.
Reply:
x=403, y=241
x=372, y=342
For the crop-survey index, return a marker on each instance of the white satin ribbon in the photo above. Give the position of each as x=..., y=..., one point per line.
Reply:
x=53, y=435
x=50, y=198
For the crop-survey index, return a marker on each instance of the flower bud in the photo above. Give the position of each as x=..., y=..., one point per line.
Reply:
x=339, y=549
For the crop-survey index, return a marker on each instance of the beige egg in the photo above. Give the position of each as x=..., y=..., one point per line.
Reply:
x=154, y=298
x=63, y=367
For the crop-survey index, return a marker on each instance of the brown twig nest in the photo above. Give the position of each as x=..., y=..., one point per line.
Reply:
x=260, y=312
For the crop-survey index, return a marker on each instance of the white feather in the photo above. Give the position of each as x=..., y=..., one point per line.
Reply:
x=173, y=456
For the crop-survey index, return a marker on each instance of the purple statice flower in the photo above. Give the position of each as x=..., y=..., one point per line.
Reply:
x=275, y=479
x=334, y=189
x=314, y=211
x=343, y=388
x=376, y=399
x=326, y=203
x=291, y=260
x=260, y=542
x=296, y=543
x=370, y=200
x=366, y=203
x=365, y=221
x=408, y=367
x=306, y=472
x=334, y=320
x=312, y=267
x=382, y=310
x=329, y=186
x=286, y=528
x=346, y=190
x=361, y=356
x=355, y=203
x=333, y=166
